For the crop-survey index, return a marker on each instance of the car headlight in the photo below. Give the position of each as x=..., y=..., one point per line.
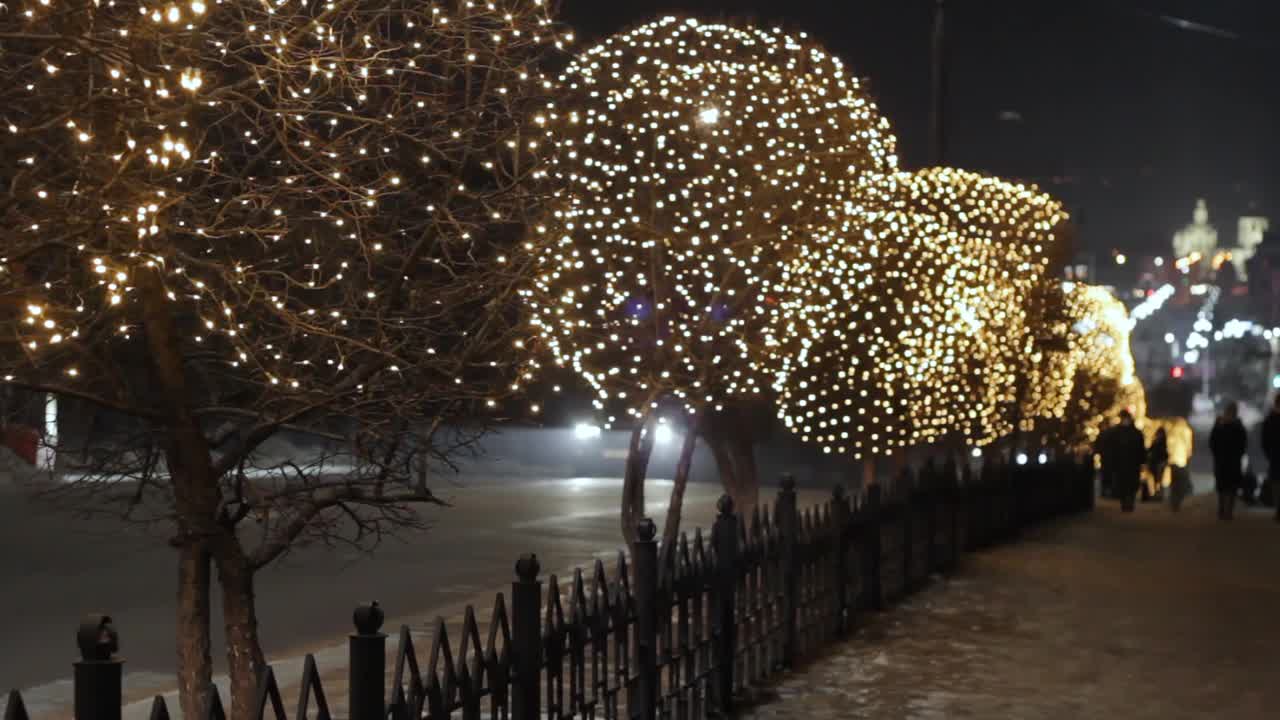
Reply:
x=586, y=431
x=663, y=435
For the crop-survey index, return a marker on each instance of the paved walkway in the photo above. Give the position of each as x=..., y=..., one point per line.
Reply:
x=1152, y=615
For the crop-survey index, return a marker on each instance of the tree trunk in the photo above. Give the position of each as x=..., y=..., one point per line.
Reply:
x=245, y=660
x=637, y=466
x=746, y=491
x=671, y=528
x=196, y=497
x=739, y=475
x=195, y=665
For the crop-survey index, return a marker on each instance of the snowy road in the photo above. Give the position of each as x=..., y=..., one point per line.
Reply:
x=54, y=570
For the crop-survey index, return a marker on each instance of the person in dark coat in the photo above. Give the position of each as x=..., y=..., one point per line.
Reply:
x=1158, y=460
x=1128, y=450
x=1103, y=447
x=1228, y=442
x=1271, y=450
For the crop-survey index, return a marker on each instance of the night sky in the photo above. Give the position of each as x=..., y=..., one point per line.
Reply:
x=1124, y=115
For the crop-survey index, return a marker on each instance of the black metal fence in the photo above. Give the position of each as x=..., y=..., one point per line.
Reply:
x=678, y=634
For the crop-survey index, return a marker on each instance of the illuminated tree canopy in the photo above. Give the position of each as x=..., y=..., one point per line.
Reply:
x=992, y=241
x=733, y=224
x=834, y=352
x=1083, y=390
x=695, y=157
x=224, y=220
x=907, y=323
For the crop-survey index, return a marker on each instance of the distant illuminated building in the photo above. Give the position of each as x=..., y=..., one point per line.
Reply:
x=1198, y=237
x=1248, y=238
x=1199, y=241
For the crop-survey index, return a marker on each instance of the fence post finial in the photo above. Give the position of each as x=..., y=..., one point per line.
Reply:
x=99, y=672
x=728, y=568
x=526, y=639
x=645, y=565
x=871, y=546
x=787, y=517
x=840, y=522
x=367, y=669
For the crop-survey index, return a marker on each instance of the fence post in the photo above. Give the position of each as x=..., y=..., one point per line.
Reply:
x=99, y=672
x=1089, y=481
x=986, y=500
x=526, y=640
x=787, y=517
x=645, y=562
x=367, y=671
x=1013, y=516
x=724, y=539
x=871, y=549
x=929, y=487
x=840, y=550
x=910, y=499
x=951, y=483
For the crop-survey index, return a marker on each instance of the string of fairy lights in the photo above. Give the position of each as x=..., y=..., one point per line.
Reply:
x=1106, y=382
x=732, y=222
x=275, y=164
x=695, y=158
x=726, y=218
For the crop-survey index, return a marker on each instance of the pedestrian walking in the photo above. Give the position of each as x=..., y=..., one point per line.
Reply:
x=1103, y=447
x=1128, y=451
x=1228, y=442
x=1180, y=487
x=1271, y=450
x=1158, y=460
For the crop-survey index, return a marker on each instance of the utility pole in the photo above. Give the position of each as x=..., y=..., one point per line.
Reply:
x=938, y=108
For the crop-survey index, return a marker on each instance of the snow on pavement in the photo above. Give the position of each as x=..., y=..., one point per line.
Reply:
x=1151, y=615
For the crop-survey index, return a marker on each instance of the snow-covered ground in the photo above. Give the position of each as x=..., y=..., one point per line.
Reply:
x=1152, y=615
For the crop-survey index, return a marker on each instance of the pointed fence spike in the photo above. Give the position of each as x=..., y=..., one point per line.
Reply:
x=578, y=607
x=213, y=708
x=440, y=692
x=555, y=610
x=398, y=708
x=471, y=654
x=312, y=688
x=441, y=654
x=601, y=594
x=269, y=692
x=16, y=709
x=407, y=661
x=622, y=582
x=159, y=709
x=499, y=632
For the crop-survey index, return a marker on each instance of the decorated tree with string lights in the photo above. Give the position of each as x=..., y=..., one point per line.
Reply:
x=908, y=322
x=834, y=350
x=1083, y=391
x=998, y=245
x=694, y=157
x=232, y=227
